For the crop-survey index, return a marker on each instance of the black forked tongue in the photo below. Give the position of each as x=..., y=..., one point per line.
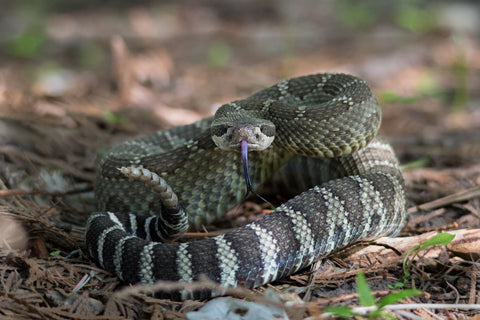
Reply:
x=244, y=148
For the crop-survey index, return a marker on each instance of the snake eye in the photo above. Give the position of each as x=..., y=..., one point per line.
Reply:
x=267, y=130
x=219, y=130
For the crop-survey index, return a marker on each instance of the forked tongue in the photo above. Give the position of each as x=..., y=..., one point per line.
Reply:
x=244, y=148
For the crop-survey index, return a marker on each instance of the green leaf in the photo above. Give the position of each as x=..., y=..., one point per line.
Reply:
x=414, y=18
x=114, y=118
x=439, y=238
x=219, y=54
x=462, y=71
x=419, y=163
x=395, y=297
x=397, y=285
x=365, y=296
x=25, y=45
x=357, y=14
x=55, y=253
x=340, y=311
x=392, y=97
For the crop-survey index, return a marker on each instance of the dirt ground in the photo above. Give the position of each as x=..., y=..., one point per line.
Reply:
x=77, y=78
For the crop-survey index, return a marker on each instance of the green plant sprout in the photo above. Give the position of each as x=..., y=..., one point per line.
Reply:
x=419, y=163
x=438, y=239
x=55, y=253
x=219, y=54
x=114, y=118
x=367, y=299
x=365, y=296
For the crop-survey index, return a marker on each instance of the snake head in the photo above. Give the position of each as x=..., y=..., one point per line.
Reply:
x=229, y=130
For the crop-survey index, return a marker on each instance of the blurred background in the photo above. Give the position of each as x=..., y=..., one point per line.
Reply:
x=178, y=60
x=405, y=49
x=79, y=76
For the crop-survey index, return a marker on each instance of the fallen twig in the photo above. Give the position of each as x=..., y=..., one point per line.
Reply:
x=453, y=198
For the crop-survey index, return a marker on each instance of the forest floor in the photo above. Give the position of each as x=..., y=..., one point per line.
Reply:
x=101, y=76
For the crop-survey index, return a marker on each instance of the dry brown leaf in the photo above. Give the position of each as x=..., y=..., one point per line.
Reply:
x=466, y=245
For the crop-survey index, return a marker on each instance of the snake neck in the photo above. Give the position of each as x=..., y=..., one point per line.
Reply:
x=224, y=170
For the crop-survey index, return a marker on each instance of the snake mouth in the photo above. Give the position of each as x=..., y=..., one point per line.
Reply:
x=233, y=138
x=241, y=145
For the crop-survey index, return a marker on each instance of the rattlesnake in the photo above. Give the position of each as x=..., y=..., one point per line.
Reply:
x=321, y=129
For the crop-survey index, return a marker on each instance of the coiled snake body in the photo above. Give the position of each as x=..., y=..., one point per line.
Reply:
x=318, y=135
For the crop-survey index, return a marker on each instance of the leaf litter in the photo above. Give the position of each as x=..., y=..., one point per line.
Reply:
x=50, y=139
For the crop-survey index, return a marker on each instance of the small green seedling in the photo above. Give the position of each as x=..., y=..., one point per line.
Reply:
x=392, y=97
x=114, y=118
x=55, y=253
x=419, y=163
x=438, y=239
x=366, y=299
